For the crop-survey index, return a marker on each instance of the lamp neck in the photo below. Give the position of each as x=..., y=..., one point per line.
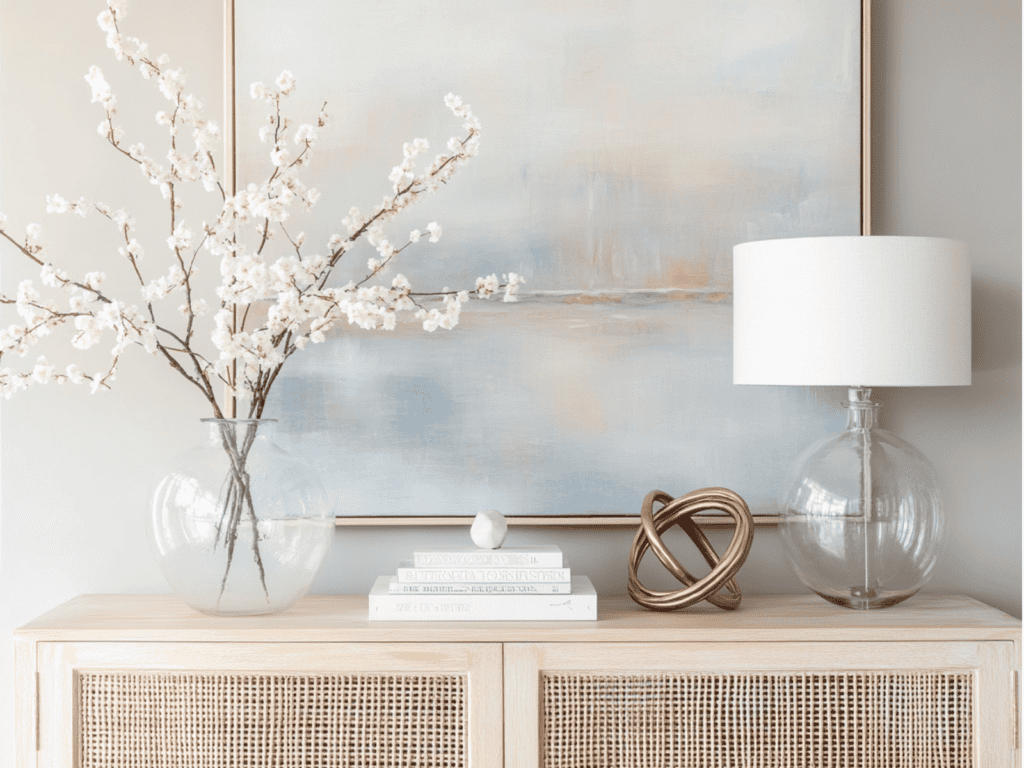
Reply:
x=861, y=411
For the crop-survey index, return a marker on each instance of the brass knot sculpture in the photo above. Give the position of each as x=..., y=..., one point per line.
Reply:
x=680, y=512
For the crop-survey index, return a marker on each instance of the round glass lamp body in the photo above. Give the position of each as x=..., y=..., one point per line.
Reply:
x=862, y=521
x=238, y=525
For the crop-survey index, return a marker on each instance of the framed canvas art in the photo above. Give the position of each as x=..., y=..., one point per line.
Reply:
x=626, y=148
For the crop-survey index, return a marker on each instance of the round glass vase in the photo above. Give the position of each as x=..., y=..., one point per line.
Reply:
x=238, y=525
x=862, y=522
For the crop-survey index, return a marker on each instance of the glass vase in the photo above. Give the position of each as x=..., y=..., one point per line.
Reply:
x=862, y=521
x=240, y=526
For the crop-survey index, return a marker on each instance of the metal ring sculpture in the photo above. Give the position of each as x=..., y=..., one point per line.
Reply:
x=680, y=512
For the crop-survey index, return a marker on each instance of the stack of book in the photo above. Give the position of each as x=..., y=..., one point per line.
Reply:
x=473, y=584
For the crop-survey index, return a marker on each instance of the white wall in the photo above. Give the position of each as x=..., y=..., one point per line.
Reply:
x=947, y=94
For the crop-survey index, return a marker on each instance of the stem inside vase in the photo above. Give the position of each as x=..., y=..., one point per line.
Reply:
x=236, y=499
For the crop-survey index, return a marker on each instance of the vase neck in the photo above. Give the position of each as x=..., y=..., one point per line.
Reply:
x=861, y=413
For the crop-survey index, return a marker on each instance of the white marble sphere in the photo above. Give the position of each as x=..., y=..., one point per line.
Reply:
x=488, y=529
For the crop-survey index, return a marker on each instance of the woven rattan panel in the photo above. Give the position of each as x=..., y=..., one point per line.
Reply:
x=824, y=720
x=202, y=720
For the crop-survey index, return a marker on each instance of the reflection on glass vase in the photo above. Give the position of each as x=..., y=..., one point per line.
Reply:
x=238, y=525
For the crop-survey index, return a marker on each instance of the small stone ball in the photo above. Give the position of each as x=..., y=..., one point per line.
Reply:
x=488, y=529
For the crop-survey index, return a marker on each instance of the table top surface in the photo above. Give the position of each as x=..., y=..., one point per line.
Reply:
x=165, y=618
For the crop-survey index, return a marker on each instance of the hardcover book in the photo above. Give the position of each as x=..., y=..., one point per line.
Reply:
x=538, y=556
x=395, y=587
x=580, y=605
x=460, y=574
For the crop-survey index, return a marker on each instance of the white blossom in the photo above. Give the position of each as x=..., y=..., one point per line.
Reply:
x=43, y=372
x=197, y=309
x=286, y=82
x=306, y=134
x=57, y=204
x=12, y=382
x=205, y=133
x=165, y=285
x=133, y=251
x=123, y=220
x=487, y=286
x=354, y=221
x=52, y=278
x=280, y=156
x=399, y=174
x=88, y=332
x=100, y=89
x=311, y=198
x=75, y=376
x=180, y=239
x=385, y=249
x=375, y=234
x=435, y=231
x=513, y=281
x=172, y=83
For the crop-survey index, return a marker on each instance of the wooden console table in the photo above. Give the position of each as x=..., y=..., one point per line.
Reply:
x=109, y=680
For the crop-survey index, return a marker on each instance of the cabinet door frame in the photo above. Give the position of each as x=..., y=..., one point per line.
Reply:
x=59, y=664
x=991, y=662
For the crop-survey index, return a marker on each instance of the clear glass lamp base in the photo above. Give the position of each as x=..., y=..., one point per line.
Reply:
x=862, y=521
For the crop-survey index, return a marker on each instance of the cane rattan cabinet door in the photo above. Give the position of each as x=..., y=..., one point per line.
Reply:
x=314, y=705
x=760, y=704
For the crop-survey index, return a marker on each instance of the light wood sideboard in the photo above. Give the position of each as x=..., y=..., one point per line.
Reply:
x=134, y=680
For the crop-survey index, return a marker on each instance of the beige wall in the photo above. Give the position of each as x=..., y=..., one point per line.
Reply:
x=947, y=100
x=947, y=162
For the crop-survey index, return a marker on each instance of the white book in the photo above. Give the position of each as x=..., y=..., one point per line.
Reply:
x=395, y=587
x=539, y=556
x=407, y=572
x=580, y=605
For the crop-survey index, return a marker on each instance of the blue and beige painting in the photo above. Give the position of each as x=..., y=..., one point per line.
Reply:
x=626, y=148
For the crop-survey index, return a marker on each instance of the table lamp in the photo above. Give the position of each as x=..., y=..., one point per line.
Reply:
x=862, y=520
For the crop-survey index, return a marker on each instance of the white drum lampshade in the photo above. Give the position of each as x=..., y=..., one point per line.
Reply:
x=852, y=311
x=862, y=519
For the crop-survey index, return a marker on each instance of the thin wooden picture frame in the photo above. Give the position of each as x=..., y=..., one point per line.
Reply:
x=230, y=164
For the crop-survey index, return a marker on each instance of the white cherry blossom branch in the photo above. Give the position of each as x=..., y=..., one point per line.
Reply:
x=301, y=309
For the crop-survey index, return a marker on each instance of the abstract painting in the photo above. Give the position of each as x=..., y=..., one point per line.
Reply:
x=626, y=148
